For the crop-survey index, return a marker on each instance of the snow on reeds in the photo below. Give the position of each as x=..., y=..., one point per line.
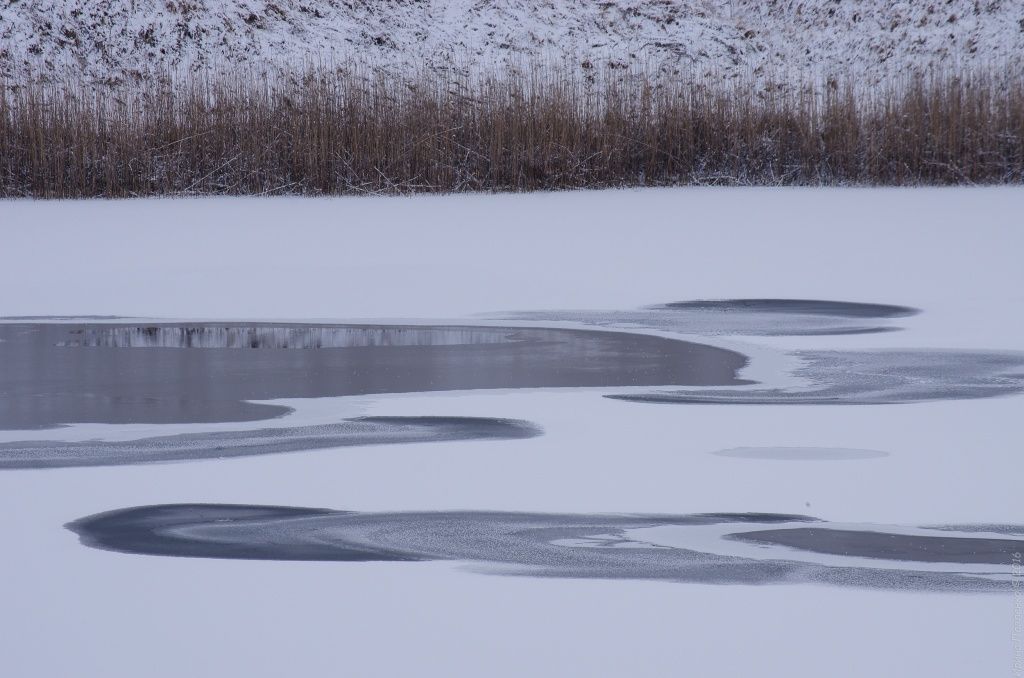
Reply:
x=329, y=132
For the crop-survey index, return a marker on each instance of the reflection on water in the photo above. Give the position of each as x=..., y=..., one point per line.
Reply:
x=201, y=372
x=196, y=372
x=281, y=336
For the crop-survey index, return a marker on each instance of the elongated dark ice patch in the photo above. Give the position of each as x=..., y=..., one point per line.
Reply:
x=701, y=548
x=795, y=307
x=767, y=317
x=191, y=446
x=872, y=378
x=879, y=545
x=166, y=530
x=63, y=373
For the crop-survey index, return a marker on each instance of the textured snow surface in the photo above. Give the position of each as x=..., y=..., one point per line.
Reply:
x=871, y=40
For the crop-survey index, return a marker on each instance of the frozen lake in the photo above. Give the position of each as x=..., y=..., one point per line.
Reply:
x=721, y=431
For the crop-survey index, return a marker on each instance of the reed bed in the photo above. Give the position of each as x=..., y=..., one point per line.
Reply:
x=327, y=132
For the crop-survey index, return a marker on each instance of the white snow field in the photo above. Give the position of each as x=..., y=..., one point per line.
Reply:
x=70, y=610
x=770, y=42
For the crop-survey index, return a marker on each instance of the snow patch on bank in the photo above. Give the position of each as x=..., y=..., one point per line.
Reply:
x=867, y=41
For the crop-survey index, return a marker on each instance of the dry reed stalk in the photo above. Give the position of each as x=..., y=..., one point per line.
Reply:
x=324, y=132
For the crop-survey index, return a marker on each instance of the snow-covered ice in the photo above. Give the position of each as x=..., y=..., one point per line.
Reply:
x=952, y=253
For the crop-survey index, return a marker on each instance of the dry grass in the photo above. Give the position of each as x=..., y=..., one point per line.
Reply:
x=330, y=133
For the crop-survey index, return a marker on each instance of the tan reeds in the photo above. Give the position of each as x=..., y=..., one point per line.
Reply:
x=324, y=132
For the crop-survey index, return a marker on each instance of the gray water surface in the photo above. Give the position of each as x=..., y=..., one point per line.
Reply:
x=764, y=317
x=222, y=444
x=880, y=377
x=554, y=545
x=61, y=373
x=878, y=545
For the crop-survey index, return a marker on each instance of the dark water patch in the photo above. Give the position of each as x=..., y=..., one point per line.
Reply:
x=800, y=453
x=837, y=309
x=761, y=317
x=171, y=373
x=995, y=528
x=873, y=378
x=192, y=446
x=880, y=545
x=547, y=545
x=164, y=530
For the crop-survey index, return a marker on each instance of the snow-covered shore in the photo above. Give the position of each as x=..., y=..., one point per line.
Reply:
x=865, y=42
